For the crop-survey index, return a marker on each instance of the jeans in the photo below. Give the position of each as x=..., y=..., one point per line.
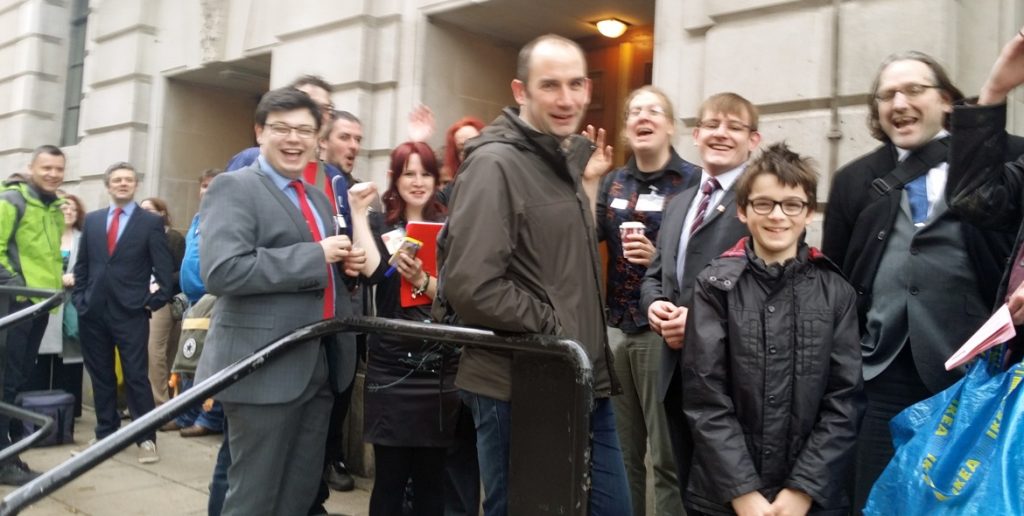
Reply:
x=219, y=482
x=195, y=415
x=609, y=491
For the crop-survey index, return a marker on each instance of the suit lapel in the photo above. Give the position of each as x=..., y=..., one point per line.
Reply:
x=720, y=208
x=674, y=232
x=289, y=207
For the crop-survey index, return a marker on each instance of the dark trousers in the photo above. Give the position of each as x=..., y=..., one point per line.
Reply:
x=334, y=448
x=679, y=431
x=22, y=348
x=395, y=466
x=219, y=482
x=462, y=478
x=897, y=388
x=100, y=334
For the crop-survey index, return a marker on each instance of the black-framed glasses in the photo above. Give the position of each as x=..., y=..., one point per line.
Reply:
x=910, y=91
x=791, y=207
x=283, y=130
x=732, y=126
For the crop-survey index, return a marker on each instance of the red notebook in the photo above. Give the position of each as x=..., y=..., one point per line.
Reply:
x=425, y=232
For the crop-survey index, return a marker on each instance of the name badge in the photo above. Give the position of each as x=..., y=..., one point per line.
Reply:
x=620, y=204
x=393, y=240
x=650, y=202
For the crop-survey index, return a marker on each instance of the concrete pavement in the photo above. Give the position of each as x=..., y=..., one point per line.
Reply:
x=177, y=485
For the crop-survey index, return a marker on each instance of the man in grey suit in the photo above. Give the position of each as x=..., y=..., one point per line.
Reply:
x=270, y=254
x=699, y=224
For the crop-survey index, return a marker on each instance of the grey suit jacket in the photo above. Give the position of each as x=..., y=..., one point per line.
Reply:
x=258, y=256
x=720, y=231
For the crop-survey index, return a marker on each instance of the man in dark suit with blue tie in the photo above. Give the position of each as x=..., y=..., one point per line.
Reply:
x=699, y=224
x=123, y=273
x=272, y=254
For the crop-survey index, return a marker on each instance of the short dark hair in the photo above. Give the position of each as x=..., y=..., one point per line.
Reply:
x=311, y=80
x=942, y=80
x=526, y=53
x=52, y=150
x=285, y=99
x=209, y=173
x=120, y=165
x=788, y=167
x=335, y=116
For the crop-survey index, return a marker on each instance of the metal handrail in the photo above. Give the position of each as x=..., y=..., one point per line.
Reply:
x=61, y=475
x=51, y=301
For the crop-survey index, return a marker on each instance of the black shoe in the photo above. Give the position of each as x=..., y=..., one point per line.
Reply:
x=338, y=477
x=16, y=473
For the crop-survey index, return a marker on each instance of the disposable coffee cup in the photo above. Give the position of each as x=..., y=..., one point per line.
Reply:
x=631, y=228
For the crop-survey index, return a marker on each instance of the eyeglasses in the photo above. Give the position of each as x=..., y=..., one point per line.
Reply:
x=283, y=130
x=791, y=207
x=910, y=91
x=653, y=111
x=732, y=126
x=327, y=110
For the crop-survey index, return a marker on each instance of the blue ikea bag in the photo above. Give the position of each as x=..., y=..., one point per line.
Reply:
x=960, y=451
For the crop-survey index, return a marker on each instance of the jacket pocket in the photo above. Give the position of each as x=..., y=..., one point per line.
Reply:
x=814, y=342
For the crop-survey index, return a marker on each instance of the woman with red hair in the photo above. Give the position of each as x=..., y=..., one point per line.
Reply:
x=455, y=144
x=410, y=401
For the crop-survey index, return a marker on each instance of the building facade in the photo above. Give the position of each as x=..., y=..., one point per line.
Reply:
x=171, y=85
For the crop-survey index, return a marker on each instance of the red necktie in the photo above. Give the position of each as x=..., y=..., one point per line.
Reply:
x=115, y=223
x=307, y=213
x=702, y=209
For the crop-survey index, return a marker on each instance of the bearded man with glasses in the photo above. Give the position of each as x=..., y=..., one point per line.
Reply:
x=925, y=278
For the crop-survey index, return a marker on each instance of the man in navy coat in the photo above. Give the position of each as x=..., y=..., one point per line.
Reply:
x=122, y=275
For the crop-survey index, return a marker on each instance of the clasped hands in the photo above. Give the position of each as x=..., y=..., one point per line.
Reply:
x=339, y=248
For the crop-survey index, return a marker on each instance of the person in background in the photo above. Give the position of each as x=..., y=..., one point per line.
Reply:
x=407, y=419
x=122, y=248
x=30, y=225
x=638, y=193
x=455, y=146
x=697, y=226
x=164, y=328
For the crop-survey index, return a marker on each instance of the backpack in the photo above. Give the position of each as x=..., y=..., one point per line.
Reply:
x=13, y=196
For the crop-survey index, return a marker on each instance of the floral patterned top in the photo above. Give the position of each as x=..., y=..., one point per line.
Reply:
x=626, y=195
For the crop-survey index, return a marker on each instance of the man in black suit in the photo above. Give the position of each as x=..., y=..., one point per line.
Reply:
x=122, y=249
x=925, y=277
x=699, y=224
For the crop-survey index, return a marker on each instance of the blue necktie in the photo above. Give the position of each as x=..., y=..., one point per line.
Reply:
x=917, y=194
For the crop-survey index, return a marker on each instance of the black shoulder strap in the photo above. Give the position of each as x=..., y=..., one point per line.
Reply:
x=916, y=164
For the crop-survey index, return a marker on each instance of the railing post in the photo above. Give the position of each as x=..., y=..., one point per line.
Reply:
x=549, y=470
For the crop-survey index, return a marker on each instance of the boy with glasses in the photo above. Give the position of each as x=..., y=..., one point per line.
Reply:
x=771, y=364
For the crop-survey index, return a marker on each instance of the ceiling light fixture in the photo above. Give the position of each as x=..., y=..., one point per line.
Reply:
x=612, y=27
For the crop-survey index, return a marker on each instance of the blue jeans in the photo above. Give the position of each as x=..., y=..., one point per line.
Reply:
x=219, y=482
x=195, y=415
x=609, y=492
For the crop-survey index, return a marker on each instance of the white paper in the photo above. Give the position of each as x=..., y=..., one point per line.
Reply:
x=996, y=330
